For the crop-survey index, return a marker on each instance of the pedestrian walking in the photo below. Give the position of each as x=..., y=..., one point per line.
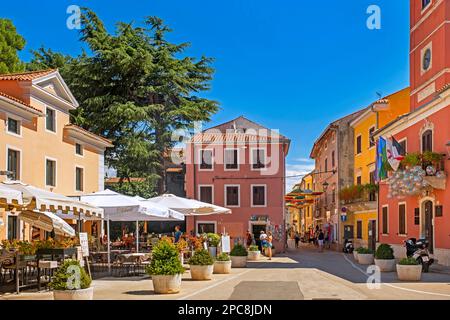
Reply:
x=262, y=240
x=269, y=245
x=320, y=239
x=248, y=239
x=297, y=239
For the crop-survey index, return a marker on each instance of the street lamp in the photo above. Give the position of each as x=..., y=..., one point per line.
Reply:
x=325, y=186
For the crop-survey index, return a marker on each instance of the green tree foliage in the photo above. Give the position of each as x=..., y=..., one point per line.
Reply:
x=48, y=59
x=135, y=88
x=10, y=43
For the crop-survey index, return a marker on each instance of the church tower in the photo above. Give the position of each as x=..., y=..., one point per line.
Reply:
x=429, y=49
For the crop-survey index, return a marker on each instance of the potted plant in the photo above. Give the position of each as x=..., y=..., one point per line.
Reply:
x=253, y=253
x=213, y=243
x=222, y=265
x=201, y=265
x=182, y=246
x=384, y=258
x=165, y=268
x=365, y=256
x=71, y=282
x=238, y=256
x=411, y=160
x=408, y=269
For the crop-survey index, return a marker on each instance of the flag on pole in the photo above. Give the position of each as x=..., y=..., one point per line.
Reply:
x=392, y=155
x=382, y=160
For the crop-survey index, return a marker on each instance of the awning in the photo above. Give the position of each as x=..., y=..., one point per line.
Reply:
x=51, y=202
x=10, y=196
x=47, y=221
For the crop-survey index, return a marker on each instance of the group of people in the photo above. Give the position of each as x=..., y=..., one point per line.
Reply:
x=320, y=238
x=265, y=242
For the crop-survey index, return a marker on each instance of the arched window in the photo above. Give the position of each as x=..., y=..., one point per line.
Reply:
x=427, y=141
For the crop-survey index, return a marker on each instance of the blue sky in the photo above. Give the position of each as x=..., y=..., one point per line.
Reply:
x=290, y=65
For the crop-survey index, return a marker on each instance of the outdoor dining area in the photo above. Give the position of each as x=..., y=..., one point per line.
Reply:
x=51, y=226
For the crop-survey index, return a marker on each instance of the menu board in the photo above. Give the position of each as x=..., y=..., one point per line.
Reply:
x=226, y=246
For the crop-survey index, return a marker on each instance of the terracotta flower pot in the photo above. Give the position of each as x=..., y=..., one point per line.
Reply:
x=222, y=267
x=166, y=284
x=201, y=272
x=81, y=294
x=385, y=265
x=254, y=255
x=365, y=258
x=409, y=272
x=238, y=261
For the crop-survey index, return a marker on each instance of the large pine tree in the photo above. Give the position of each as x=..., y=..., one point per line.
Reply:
x=10, y=43
x=136, y=88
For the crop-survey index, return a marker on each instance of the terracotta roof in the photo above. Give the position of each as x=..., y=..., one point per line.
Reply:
x=88, y=133
x=174, y=170
x=445, y=87
x=20, y=102
x=26, y=76
x=117, y=180
x=233, y=137
x=381, y=101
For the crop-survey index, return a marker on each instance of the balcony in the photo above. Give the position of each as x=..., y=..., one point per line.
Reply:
x=359, y=197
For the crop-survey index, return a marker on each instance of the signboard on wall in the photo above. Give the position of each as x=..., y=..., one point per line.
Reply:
x=226, y=245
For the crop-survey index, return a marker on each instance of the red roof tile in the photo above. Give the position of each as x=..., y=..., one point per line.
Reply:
x=233, y=137
x=19, y=101
x=26, y=76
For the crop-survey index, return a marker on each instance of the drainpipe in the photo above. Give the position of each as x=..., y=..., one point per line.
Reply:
x=195, y=185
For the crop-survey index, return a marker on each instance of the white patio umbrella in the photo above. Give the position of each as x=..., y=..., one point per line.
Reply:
x=47, y=221
x=10, y=195
x=189, y=207
x=119, y=207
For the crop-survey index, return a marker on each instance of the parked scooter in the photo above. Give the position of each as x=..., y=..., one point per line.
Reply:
x=348, y=246
x=418, y=249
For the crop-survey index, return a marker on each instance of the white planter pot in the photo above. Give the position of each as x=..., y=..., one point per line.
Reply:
x=82, y=294
x=385, y=265
x=291, y=244
x=355, y=255
x=365, y=258
x=201, y=272
x=181, y=257
x=222, y=267
x=238, y=262
x=409, y=273
x=212, y=251
x=254, y=255
x=163, y=284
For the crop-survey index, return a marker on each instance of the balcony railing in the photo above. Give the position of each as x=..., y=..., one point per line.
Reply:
x=364, y=196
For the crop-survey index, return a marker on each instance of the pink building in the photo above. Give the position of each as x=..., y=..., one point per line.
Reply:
x=239, y=165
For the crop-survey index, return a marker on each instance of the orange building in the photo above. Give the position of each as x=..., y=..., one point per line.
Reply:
x=39, y=145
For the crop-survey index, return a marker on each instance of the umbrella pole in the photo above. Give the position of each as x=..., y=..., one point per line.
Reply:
x=137, y=236
x=109, y=249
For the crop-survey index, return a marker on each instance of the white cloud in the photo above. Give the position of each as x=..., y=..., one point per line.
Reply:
x=298, y=170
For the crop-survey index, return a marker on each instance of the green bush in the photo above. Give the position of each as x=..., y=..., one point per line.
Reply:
x=253, y=248
x=65, y=277
x=223, y=257
x=201, y=258
x=364, y=251
x=238, y=251
x=213, y=239
x=408, y=262
x=165, y=260
x=384, y=252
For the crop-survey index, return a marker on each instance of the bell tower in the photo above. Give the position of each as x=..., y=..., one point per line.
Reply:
x=429, y=49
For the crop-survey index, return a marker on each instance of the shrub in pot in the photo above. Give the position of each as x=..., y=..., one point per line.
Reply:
x=365, y=256
x=213, y=243
x=201, y=265
x=239, y=256
x=355, y=253
x=384, y=258
x=71, y=282
x=222, y=265
x=408, y=269
x=253, y=253
x=165, y=268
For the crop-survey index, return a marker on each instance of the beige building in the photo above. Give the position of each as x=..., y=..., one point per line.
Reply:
x=38, y=144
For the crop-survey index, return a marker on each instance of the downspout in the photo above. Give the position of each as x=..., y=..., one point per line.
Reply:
x=195, y=184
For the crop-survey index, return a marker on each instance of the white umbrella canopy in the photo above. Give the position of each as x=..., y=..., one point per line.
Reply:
x=10, y=195
x=189, y=207
x=45, y=200
x=47, y=221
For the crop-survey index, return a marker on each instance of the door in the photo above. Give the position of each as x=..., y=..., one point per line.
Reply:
x=348, y=232
x=428, y=224
x=256, y=231
x=372, y=234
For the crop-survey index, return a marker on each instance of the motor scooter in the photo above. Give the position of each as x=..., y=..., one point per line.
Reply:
x=348, y=246
x=418, y=250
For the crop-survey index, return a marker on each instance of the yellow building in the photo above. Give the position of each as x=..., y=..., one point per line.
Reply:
x=361, y=198
x=40, y=146
x=308, y=210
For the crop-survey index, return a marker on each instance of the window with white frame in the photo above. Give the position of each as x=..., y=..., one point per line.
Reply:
x=13, y=164
x=50, y=119
x=206, y=194
x=50, y=172
x=259, y=195
x=206, y=159
x=13, y=126
x=231, y=159
x=78, y=149
x=232, y=195
x=258, y=159
x=79, y=179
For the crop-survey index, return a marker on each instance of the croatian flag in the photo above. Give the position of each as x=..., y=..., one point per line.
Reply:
x=394, y=153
